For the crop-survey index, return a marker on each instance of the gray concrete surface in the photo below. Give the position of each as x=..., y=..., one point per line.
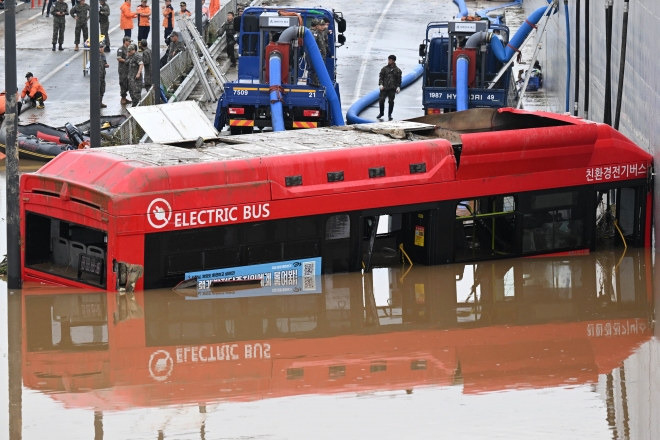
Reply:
x=61, y=72
x=20, y=6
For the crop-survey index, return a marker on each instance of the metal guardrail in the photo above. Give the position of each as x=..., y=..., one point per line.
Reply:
x=129, y=132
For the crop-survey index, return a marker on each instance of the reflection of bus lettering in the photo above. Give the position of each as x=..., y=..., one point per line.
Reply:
x=488, y=326
x=515, y=184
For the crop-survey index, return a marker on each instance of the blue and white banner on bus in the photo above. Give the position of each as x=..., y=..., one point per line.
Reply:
x=293, y=277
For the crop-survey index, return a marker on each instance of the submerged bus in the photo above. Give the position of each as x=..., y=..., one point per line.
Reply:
x=476, y=185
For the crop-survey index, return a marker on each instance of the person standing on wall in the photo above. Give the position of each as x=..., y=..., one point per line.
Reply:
x=168, y=20
x=144, y=15
x=60, y=11
x=122, y=69
x=146, y=61
x=135, y=67
x=104, y=21
x=228, y=30
x=103, y=64
x=81, y=13
x=389, y=82
x=126, y=18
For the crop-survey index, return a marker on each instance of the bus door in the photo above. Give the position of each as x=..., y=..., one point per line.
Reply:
x=621, y=212
x=392, y=235
x=485, y=228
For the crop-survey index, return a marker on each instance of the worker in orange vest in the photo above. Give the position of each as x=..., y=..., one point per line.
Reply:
x=143, y=14
x=3, y=104
x=126, y=18
x=214, y=8
x=34, y=91
x=168, y=19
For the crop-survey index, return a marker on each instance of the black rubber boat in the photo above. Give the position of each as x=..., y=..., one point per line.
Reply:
x=42, y=142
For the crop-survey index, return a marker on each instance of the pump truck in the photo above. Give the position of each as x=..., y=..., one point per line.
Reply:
x=465, y=67
x=274, y=85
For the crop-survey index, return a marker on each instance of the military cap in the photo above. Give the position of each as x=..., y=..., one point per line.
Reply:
x=127, y=38
x=131, y=47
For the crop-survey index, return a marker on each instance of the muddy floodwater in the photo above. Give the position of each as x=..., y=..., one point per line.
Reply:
x=558, y=347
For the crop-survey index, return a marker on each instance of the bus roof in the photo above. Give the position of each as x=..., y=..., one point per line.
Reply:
x=474, y=144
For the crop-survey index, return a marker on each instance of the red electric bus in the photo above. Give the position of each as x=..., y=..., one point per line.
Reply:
x=487, y=326
x=468, y=186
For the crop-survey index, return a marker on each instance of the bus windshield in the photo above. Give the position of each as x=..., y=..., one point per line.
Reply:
x=65, y=249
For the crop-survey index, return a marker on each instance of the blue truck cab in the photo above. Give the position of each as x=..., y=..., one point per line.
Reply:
x=438, y=53
x=245, y=103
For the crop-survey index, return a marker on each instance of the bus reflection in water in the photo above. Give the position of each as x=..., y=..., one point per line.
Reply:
x=489, y=184
x=485, y=326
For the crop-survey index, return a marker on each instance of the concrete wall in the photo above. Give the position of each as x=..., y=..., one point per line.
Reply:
x=641, y=98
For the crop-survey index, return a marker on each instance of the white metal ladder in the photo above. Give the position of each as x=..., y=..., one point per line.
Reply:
x=203, y=63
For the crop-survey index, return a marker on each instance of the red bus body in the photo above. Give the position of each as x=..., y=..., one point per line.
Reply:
x=120, y=190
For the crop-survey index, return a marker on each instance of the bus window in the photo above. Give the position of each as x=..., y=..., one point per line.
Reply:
x=485, y=228
x=67, y=322
x=553, y=221
x=66, y=249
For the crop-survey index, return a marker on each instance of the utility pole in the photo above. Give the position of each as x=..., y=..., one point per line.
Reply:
x=155, y=50
x=11, y=127
x=15, y=363
x=198, y=17
x=94, y=77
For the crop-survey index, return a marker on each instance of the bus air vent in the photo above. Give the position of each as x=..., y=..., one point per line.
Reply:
x=336, y=176
x=293, y=180
x=376, y=172
x=416, y=168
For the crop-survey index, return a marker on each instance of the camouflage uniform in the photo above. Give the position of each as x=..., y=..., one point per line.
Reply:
x=122, y=68
x=59, y=21
x=228, y=29
x=104, y=21
x=390, y=79
x=102, y=63
x=134, y=85
x=146, y=70
x=174, y=49
x=82, y=12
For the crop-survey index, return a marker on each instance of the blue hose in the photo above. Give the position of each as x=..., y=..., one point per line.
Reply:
x=337, y=118
x=462, y=70
x=275, y=72
x=371, y=97
x=568, y=57
x=504, y=54
x=462, y=8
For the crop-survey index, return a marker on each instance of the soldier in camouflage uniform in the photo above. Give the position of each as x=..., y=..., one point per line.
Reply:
x=175, y=46
x=146, y=61
x=122, y=68
x=81, y=13
x=104, y=21
x=59, y=11
x=135, y=67
x=103, y=64
x=228, y=29
x=389, y=82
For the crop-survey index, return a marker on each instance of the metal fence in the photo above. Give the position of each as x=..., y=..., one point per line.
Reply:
x=129, y=132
